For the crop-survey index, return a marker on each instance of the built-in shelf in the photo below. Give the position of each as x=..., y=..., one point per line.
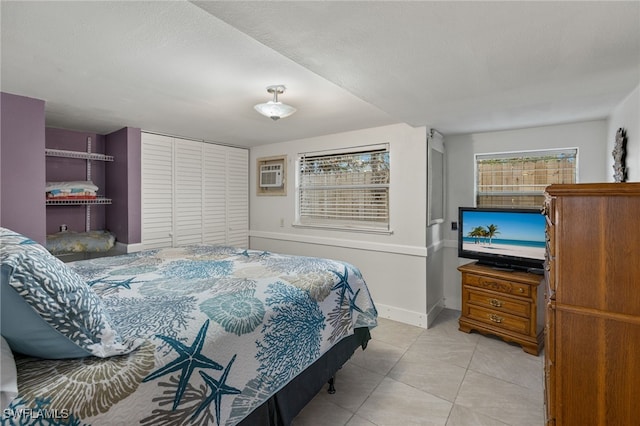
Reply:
x=79, y=202
x=88, y=156
x=77, y=154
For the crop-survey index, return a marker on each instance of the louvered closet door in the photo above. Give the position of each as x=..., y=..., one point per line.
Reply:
x=215, y=204
x=157, y=191
x=188, y=192
x=237, y=197
x=193, y=192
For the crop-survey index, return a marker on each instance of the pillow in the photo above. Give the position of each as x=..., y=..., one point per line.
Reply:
x=48, y=311
x=8, y=375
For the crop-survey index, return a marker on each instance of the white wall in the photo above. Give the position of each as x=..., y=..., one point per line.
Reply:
x=627, y=116
x=395, y=265
x=589, y=137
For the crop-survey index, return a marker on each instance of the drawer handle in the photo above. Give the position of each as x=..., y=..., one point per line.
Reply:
x=495, y=303
x=520, y=290
x=495, y=318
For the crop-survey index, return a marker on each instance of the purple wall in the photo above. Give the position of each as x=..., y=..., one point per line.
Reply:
x=68, y=169
x=123, y=183
x=24, y=169
x=22, y=166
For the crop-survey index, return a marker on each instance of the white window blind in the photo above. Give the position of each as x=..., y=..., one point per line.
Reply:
x=518, y=179
x=346, y=190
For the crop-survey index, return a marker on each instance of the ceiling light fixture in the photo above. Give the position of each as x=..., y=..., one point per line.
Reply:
x=274, y=109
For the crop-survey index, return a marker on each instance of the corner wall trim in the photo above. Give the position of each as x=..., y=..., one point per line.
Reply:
x=345, y=243
x=128, y=248
x=439, y=245
x=451, y=244
x=433, y=313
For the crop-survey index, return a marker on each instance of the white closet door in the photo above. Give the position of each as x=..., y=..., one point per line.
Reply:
x=237, y=197
x=215, y=204
x=157, y=191
x=193, y=192
x=188, y=193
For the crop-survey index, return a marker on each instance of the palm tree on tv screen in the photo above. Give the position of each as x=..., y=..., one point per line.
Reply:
x=476, y=233
x=492, y=230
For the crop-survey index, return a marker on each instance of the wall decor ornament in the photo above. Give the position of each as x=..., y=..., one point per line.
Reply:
x=619, y=154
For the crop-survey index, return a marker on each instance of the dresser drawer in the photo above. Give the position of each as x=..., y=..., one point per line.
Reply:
x=498, y=319
x=498, y=302
x=496, y=284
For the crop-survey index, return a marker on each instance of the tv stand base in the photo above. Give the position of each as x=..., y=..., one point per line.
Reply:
x=507, y=304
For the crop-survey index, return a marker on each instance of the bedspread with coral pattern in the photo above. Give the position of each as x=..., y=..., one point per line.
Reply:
x=225, y=329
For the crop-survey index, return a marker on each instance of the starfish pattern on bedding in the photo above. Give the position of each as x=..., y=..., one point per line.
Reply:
x=218, y=388
x=190, y=358
x=115, y=283
x=352, y=303
x=342, y=284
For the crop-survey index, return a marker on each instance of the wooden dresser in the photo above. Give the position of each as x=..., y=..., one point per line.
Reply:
x=592, y=354
x=504, y=303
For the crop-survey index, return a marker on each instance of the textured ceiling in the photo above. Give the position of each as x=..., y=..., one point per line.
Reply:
x=196, y=69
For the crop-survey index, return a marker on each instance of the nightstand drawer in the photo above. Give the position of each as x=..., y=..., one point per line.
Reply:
x=496, y=284
x=499, y=303
x=498, y=319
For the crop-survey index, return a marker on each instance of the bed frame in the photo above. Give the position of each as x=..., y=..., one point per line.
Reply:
x=283, y=407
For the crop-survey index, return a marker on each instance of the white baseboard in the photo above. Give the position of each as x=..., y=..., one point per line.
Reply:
x=409, y=317
x=402, y=315
x=128, y=248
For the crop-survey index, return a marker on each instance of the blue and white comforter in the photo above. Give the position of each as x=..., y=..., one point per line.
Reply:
x=224, y=329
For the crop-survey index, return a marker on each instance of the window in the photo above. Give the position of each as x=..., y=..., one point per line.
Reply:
x=344, y=190
x=518, y=179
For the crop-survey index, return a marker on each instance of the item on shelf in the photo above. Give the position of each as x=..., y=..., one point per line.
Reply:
x=83, y=190
x=80, y=242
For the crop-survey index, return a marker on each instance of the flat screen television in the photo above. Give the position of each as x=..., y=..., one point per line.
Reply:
x=502, y=238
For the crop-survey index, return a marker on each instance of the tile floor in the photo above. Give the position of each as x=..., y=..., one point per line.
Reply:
x=440, y=376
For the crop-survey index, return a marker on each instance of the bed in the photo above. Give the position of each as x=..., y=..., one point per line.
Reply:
x=205, y=335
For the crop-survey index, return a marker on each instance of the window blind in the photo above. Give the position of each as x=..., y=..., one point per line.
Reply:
x=518, y=179
x=344, y=190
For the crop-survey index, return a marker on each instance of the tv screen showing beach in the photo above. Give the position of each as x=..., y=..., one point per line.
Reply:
x=504, y=233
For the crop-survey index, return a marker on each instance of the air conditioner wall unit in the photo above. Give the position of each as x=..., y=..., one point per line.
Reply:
x=271, y=175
